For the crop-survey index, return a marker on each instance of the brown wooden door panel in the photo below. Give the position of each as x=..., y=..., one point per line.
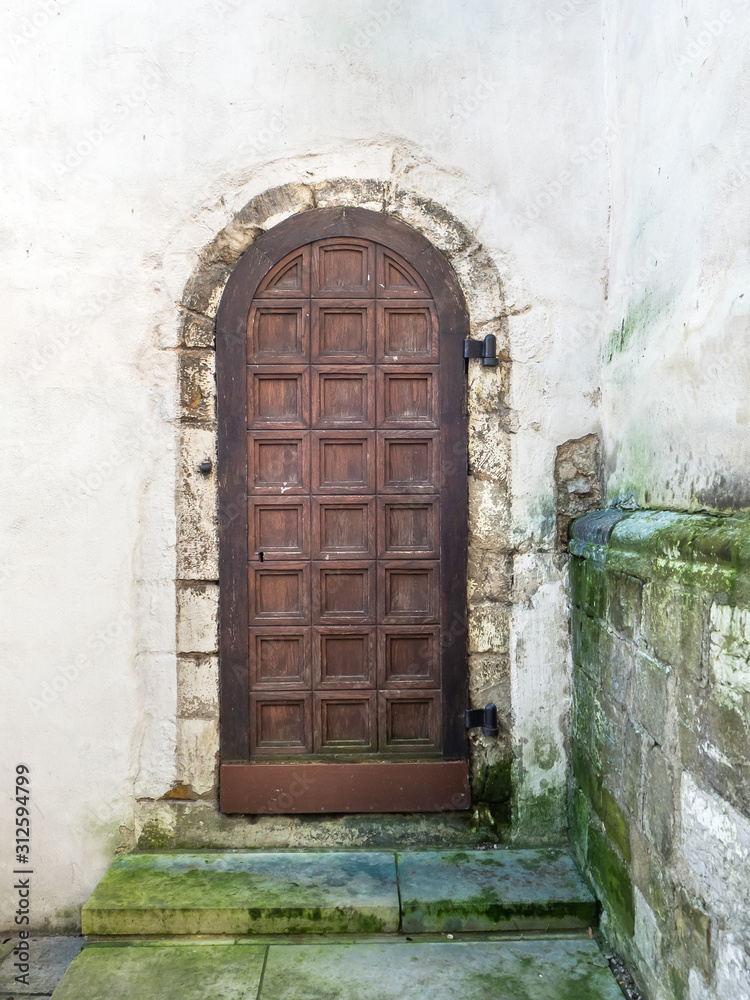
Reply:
x=343, y=397
x=342, y=462
x=278, y=331
x=408, y=656
x=280, y=658
x=344, y=657
x=278, y=397
x=343, y=332
x=407, y=333
x=343, y=267
x=343, y=527
x=290, y=277
x=408, y=397
x=408, y=529
x=279, y=528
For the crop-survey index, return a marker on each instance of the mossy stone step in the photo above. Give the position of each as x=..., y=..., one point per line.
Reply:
x=553, y=969
x=480, y=891
x=245, y=892
x=242, y=893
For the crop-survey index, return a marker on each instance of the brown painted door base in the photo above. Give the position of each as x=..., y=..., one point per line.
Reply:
x=342, y=459
x=379, y=787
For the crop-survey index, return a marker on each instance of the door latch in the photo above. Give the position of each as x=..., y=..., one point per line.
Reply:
x=485, y=349
x=485, y=717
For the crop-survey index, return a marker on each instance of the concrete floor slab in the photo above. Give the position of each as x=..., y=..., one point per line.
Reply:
x=166, y=972
x=492, y=890
x=245, y=892
x=49, y=957
x=523, y=970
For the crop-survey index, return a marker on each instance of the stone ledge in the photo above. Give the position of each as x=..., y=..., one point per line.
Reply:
x=704, y=550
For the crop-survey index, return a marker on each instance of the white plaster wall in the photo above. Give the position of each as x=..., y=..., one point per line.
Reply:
x=676, y=409
x=132, y=133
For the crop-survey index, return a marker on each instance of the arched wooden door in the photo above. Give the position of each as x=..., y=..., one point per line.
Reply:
x=343, y=492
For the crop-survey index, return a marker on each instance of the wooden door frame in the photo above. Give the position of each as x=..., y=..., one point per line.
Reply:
x=231, y=325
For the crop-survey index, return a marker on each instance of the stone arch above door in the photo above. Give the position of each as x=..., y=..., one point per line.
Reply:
x=198, y=510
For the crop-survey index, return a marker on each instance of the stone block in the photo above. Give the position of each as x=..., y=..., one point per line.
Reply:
x=650, y=704
x=197, y=754
x=729, y=656
x=442, y=230
x=369, y=194
x=197, y=331
x=489, y=680
x=693, y=933
x=659, y=806
x=203, y=292
x=618, y=662
x=612, y=878
x=490, y=576
x=674, y=624
x=589, y=641
x=488, y=628
x=624, y=603
x=270, y=207
x=197, y=618
x=198, y=385
x=489, y=515
x=197, y=507
x=648, y=936
x=198, y=687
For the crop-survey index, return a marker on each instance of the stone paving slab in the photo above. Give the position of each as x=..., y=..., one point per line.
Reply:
x=169, y=972
x=49, y=957
x=472, y=970
x=246, y=892
x=492, y=890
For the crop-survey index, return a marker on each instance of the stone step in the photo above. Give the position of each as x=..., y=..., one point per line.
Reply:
x=377, y=970
x=242, y=893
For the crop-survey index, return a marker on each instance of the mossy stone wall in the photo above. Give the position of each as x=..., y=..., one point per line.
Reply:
x=659, y=804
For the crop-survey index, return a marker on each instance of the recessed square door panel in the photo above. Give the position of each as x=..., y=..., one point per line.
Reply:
x=408, y=591
x=409, y=720
x=343, y=593
x=407, y=334
x=279, y=593
x=408, y=461
x=343, y=397
x=278, y=397
x=280, y=658
x=278, y=463
x=343, y=332
x=344, y=657
x=345, y=721
x=396, y=279
x=281, y=723
x=408, y=656
x=343, y=267
x=343, y=527
x=290, y=277
x=343, y=462
x=279, y=528
x=278, y=331
x=408, y=528
x=407, y=397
